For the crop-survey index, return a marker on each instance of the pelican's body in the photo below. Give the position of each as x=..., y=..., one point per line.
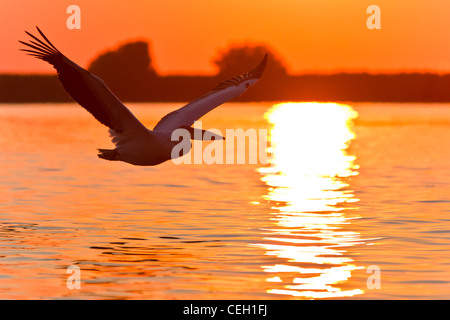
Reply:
x=135, y=144
x=147, y=149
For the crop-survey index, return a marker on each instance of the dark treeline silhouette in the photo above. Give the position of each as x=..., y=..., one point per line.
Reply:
x=239, y=58
x=130, y=74
x=127, y=71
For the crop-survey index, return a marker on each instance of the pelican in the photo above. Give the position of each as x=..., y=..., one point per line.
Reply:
x=135, y=144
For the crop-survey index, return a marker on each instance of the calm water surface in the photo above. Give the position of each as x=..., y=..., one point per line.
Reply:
x=349, y=187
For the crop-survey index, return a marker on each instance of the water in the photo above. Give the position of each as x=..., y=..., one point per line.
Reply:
x=350, y=189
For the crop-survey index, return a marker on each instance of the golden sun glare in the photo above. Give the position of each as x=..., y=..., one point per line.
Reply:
x=308, y=189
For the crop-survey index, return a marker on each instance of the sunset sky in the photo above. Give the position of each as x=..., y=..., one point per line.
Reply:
x=310, y=35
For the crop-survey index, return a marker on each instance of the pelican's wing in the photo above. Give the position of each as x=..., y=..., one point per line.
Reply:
x=227, y=90
x=86, y=89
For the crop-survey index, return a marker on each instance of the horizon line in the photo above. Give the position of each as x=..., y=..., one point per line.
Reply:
x=305, y=73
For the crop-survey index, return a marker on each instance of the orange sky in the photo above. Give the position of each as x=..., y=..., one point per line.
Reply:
x=310, y=35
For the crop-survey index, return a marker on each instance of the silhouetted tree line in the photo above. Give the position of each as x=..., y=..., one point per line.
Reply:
x=129, y=72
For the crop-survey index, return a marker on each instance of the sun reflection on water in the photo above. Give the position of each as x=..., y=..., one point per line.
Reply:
x=311, y=198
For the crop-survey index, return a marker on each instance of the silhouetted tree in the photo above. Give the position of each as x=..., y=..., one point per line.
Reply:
x=239, y=58
x=127, y=71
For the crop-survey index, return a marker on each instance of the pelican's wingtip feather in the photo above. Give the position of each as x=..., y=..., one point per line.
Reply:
x=258, y=71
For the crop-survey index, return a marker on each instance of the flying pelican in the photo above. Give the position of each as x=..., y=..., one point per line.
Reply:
x=134, y=143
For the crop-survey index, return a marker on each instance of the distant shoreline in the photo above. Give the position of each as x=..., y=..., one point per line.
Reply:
x=354, y=87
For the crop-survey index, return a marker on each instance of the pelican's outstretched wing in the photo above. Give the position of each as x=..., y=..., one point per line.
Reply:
x=227, y=90
x=86, y=89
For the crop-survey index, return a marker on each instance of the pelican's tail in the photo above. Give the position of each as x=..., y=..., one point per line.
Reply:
x=108, y=154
